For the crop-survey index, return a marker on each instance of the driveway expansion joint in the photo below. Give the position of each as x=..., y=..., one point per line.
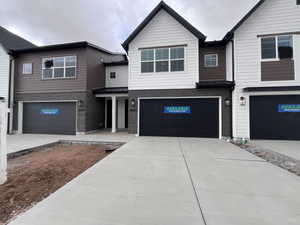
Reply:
x=192, y=182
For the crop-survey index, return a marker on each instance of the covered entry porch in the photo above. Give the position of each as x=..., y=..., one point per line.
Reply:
x=116, y=108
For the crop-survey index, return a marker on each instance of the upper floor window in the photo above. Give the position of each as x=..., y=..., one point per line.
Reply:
x=280, y=47
x=298, y=2
x=27, y=68
x=59, y=67
x=211, y=60
x=162, y=60
x=112, y=75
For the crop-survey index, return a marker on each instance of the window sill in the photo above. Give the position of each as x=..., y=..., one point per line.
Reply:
x=62, y=78
x=163, y=73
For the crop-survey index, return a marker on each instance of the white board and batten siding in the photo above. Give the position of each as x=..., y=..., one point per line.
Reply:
x=272, y=17
x=4, y=74
x=121, y=79
x=163, y=30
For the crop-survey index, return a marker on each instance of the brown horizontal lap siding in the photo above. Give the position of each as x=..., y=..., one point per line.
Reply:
x=34, y=83
x=213, y=73
x=278, y=70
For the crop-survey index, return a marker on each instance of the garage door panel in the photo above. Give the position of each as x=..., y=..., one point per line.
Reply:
x=49, y=118
x=201, y=121
x=268, y=122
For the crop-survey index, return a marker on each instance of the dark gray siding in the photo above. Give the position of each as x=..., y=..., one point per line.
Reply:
x=90, y=74
x=95, y=69
x=90, y=115
x=213, y=73
x=34, y=83
x=224, y=93
x=278, y=70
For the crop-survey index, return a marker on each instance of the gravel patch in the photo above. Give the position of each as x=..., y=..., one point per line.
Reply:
x=290, y=164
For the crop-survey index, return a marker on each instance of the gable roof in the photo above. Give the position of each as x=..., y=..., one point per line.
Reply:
x=229, y=35
x=10, y=41
x=171, y=12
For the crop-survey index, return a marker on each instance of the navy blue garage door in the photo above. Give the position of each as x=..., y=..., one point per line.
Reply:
x=194, y=117
x=275, y=117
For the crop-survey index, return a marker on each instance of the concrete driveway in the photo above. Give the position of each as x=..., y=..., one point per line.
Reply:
x=289, y=148
x=174, y=181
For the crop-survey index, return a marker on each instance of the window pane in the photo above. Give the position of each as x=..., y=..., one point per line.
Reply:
x=147, y=55
x=162, y=66
x=285, y=47
x=71, y=61
x=210, y=60
x=285, y=41
x=47, y=73
x=70, y=72
x=27, y=68
x=177, y=65
x=268, y=48
x=58, y=62
x=112, y=75
x=58, y=72
x=162, y=54
x=177, y=53
x=147, y=67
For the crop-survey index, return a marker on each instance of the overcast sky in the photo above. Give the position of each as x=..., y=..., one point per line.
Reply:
x=108, y=23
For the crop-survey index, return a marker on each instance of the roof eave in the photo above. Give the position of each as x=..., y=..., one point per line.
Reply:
x=230, y=34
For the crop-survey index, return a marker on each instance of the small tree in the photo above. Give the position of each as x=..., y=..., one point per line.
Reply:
x=3, y=143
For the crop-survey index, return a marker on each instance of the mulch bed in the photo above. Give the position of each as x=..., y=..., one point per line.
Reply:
x=283, y=161
x=35, y=176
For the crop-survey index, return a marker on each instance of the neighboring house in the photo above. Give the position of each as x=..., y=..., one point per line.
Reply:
x=178, y=84
x=9, y=42
x=266, y=99
x=54, y=88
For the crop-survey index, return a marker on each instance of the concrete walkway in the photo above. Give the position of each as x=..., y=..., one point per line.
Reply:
x=25, y=141
x=289, y=148
x=174, y=181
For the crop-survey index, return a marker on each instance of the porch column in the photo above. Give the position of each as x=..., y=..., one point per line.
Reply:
x=114, y=114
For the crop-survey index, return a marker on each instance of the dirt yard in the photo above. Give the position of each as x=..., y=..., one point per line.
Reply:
x=35, y=176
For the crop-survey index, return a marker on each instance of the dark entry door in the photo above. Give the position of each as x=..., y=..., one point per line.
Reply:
x=275, y=117
x=109, y=114
x=49, y=118
x=195, y=117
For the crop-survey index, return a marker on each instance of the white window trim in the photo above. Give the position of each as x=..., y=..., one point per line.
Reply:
x=24, y=72
x=217, y=60
x=163, y=60
x=276, y=43
x=59, y=67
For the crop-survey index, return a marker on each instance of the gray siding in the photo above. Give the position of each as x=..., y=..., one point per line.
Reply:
x=90, y=74
x=90, y=116
x=278, y=70
x=224, y=93
x=95, y=69
x=213, y=73
x=33, y=83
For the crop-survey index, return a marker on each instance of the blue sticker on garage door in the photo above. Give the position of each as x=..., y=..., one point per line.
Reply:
x=49, y=111
x=289, y=108
x=177, y=110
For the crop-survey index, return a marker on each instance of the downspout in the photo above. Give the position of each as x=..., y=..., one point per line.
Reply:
x=11, y=93
x=232, y=89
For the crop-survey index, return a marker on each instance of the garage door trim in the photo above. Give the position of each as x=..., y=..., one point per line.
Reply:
x=21, y=114
x=185, y=97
